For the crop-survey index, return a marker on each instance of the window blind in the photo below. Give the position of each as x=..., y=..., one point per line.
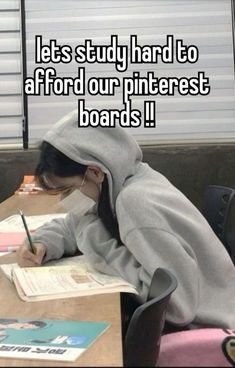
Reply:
x=10, y=72
x=204, y=23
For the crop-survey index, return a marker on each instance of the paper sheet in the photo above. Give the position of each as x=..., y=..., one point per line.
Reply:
x=67, y=277
x=8, y=268
x=14, y=222
x=4, y=253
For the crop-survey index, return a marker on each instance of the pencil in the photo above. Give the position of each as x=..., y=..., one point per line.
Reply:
x=27, y=232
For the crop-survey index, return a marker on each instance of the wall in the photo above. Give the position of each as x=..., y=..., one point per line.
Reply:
x=189, y=167
x=13, y=166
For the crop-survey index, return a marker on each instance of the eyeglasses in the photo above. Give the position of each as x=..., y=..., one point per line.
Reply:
x=62, y=190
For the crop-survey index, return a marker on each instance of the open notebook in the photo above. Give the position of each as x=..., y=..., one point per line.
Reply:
x=68, y=277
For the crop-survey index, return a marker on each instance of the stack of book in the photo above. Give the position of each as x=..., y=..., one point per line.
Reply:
x=29, y=186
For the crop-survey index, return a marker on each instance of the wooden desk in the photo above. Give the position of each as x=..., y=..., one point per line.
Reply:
x=107, y=349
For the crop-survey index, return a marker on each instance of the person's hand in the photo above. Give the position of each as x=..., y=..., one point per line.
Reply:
x=25, y=258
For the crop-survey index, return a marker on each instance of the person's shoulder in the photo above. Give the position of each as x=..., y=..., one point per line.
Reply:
x=134, y=196
x=131, y=192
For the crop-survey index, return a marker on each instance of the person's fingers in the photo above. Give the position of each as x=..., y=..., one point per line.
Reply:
x=20, y=253
x=24, y=253
x=40, y=252
x=27, y=263
x=25, y=258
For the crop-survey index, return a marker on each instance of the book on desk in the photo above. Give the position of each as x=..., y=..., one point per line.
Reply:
x=64, y=278
x=47, y=339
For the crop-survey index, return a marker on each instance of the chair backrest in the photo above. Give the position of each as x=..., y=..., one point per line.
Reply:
x=219, y=210
x=142, y=339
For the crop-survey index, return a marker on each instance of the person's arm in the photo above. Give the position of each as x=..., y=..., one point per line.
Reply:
x=53, y=240
x=96, y=243
x=58, y=236
x=145, y=250
x=157, y=248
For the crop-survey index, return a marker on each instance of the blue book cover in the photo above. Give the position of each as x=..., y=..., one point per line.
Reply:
x=47, y=339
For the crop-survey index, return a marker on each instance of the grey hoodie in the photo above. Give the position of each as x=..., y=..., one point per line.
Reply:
x=159, y=227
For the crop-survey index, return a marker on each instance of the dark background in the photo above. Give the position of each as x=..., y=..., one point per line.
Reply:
x=189, y=167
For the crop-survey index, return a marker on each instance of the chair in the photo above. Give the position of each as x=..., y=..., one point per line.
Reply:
x=142, y=339
x=219, y=210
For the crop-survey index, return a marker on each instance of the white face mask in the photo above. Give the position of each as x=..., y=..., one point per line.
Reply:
x=77, y=203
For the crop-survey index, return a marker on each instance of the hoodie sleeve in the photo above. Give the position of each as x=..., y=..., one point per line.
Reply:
x=155, y=248
x=145, y=250
x=105, y=253
x=58, y=236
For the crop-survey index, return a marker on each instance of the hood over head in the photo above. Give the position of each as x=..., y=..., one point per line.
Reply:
x=111, y=149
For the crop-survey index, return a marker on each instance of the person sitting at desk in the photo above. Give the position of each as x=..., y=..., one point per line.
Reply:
x=128, y=220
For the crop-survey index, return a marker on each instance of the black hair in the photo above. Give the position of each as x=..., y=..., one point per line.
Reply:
x=39, y=324
x=52, y=161
x=8, y=321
